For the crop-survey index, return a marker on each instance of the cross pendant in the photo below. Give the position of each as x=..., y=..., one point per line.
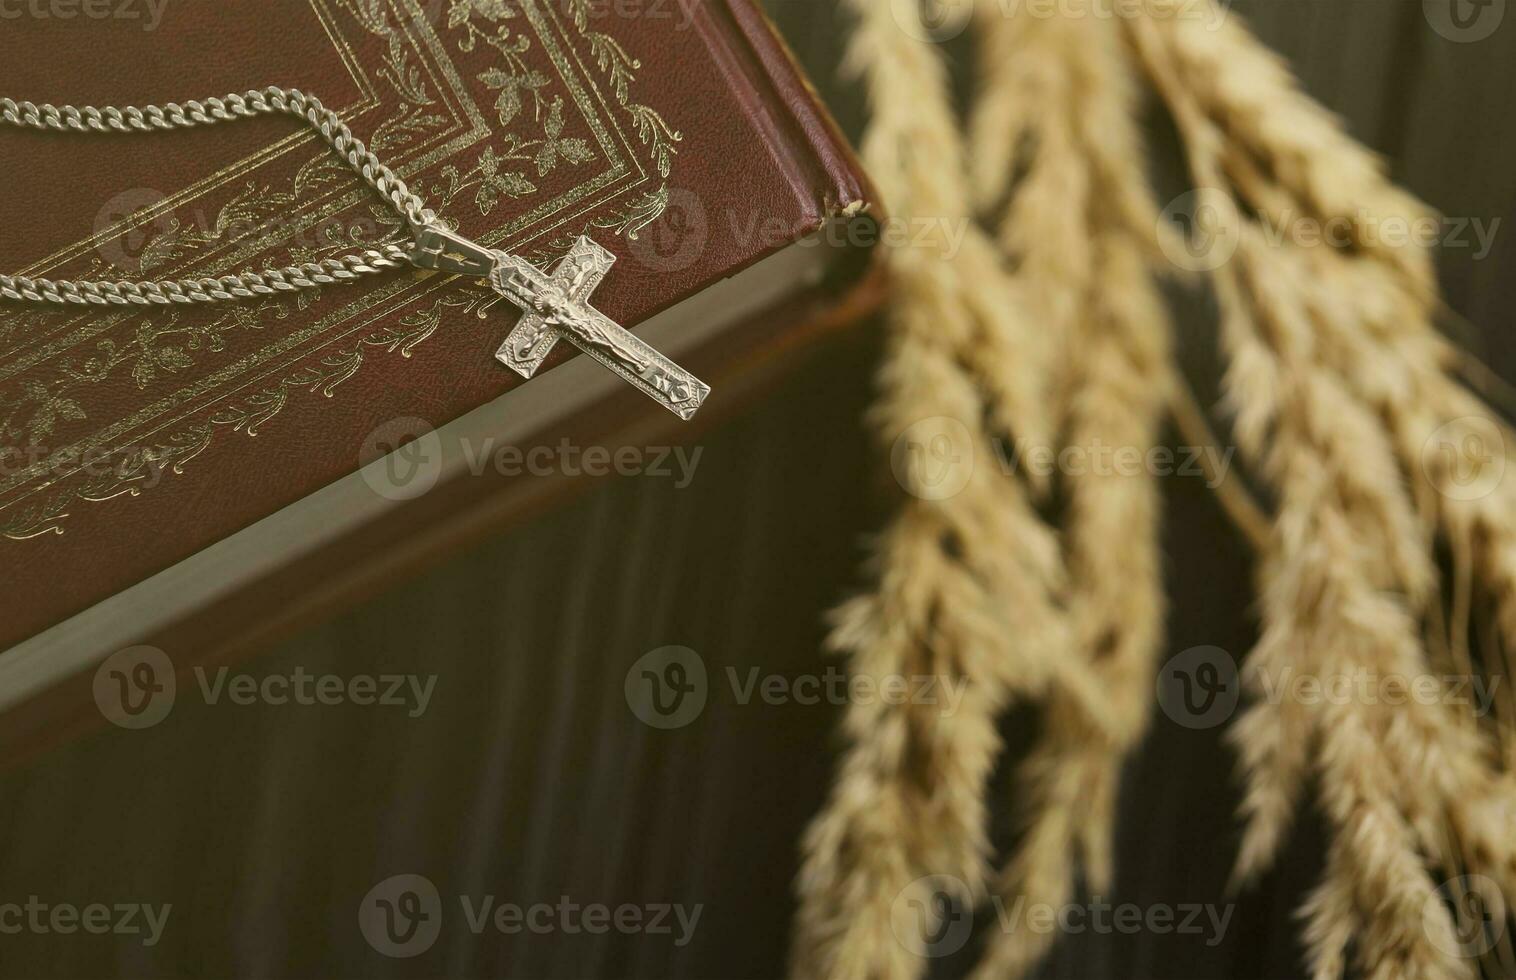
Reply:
x=557, y=305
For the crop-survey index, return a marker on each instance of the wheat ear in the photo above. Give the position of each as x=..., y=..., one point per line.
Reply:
x=964, y=581
x=1348, y=582
x=1057, y=111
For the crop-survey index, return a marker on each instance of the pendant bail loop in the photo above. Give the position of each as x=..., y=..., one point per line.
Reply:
x=439, y=247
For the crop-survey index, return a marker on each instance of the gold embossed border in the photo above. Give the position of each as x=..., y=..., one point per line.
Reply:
x=397, y=318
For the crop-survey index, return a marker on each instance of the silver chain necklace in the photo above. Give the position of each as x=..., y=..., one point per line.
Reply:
x=553, y=304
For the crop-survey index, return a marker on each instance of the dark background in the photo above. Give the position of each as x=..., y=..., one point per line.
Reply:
x=529, y=778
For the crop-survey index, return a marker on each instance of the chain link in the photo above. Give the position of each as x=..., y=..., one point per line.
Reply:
x=152, y=118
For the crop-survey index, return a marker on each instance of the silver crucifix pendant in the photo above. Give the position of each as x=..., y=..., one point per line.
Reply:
x=557, y=304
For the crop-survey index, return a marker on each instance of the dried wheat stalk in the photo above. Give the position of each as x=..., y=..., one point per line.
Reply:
x=966, y=584
x=1325, y=346
x=1052, y=332
x=1080, y=226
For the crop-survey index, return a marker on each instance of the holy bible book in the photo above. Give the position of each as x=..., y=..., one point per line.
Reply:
x=193, y=476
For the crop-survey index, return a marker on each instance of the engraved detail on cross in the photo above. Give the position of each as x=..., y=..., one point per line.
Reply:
x=558, y=305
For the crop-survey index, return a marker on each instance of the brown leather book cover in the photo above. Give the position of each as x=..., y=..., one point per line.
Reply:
x=676, y=133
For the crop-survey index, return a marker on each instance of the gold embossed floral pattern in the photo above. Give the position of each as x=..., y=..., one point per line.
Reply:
x=531, y=143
